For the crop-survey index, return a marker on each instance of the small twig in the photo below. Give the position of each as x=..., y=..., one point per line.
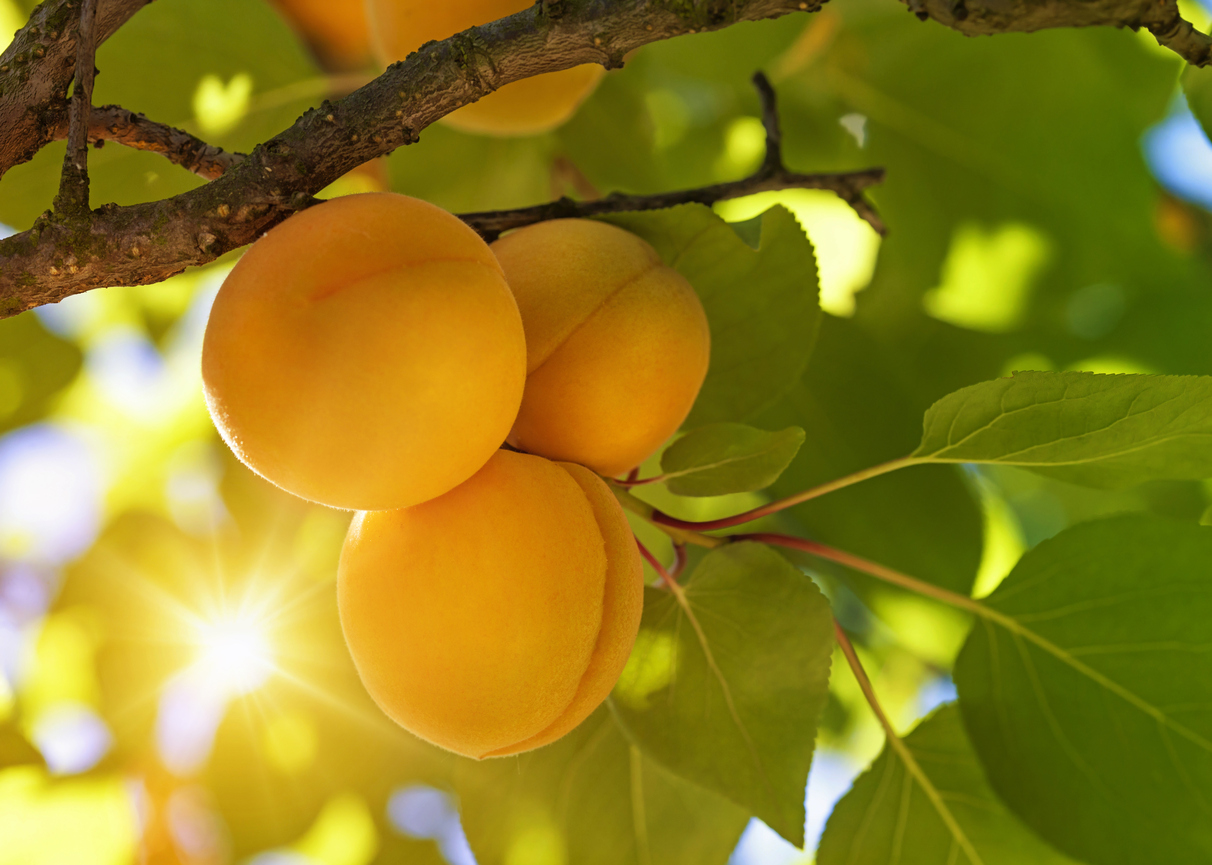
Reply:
x=772, y=175
x=117, y=124
x=847, y=185
x=773, y=162
x=73, y=184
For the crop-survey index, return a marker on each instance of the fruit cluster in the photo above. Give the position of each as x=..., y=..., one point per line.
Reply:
x=373, y=354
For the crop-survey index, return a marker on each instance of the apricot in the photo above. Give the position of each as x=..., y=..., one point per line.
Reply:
x=617, y=343
x=526, y=107
x=337, y=29
x=365, y=354
x=495, y=618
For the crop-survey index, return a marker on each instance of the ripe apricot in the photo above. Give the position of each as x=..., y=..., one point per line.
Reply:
x=493, y=619
x=526, y=107
x=365, y=354
x=617, y=343
x=337, y=29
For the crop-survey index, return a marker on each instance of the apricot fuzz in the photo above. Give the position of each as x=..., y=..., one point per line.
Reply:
x=494, y=619
x=617, y=343
x=365, y=354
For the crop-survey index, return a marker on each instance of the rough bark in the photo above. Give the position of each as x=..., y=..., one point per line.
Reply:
x=990, y=17
x=63, y=255
x=37, y=68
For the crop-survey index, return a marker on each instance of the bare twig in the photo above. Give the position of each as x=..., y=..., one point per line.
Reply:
x=773, y=162
x=114, y=123
x=73, y=184
x=847, y=185
x=772, y=175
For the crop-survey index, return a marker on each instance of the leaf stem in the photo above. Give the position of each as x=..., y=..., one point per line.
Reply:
x=766, y=510
x=876, y=570
x=902, y=750
x=666, y=577
x=679, y=563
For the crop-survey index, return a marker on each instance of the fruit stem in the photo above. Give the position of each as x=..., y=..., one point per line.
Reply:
x=679, y=563
x=666, y=577
x=634, y=480
x=774, y=507
x=646, y=512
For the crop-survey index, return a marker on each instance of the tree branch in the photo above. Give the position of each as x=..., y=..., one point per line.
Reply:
x=989, y=17
x=115, y=123
x=38, y=66
x=147, y=243
x=772, y=175
x=847, y=185
x=73, y=184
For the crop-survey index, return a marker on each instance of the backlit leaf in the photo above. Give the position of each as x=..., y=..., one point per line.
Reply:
x=1086, y=691
x=728, y=689
x=724, y=458
x=951, y=817
x=762, y=304
x=592, y=798
x=1099, y=430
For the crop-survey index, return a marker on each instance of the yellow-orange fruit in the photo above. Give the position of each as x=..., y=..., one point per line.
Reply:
x=365, y=354
x=617, y=343
x=494, y=619
x=526, y=107
x=338, y=29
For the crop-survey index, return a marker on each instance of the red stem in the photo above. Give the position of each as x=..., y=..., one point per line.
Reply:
x=880, y=572
x=679, y=563
x=666, y=577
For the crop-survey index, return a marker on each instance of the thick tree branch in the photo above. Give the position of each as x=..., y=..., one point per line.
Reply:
x=147, y=243
x=38, y=66
x=989, y=17
x=73, y=185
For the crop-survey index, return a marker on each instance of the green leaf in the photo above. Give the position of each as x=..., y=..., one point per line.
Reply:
x=922, y=520
x=1197, y=85
x=1109, y=431
x=1086, y=690
x=727, y=683
x=592, y=799
x=762, y=304
x=940, y=812
x=724, y=458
